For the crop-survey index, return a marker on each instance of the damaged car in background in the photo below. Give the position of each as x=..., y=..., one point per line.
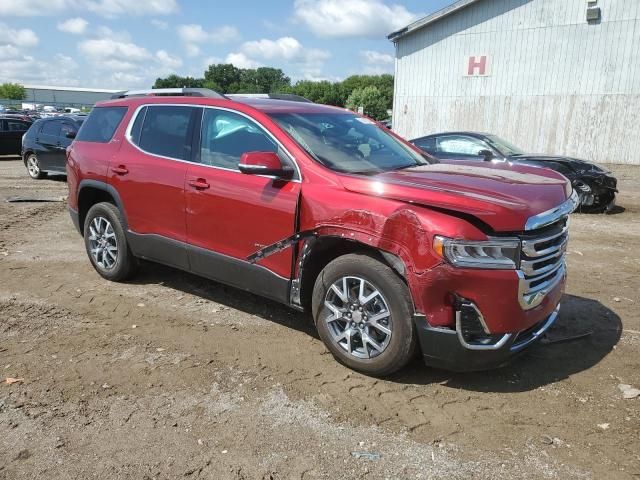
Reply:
x=595, y=186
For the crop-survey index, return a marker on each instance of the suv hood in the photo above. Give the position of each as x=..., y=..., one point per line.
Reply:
x=503, y=198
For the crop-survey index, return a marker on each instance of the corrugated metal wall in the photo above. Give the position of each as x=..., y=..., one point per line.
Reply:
x=556, y=83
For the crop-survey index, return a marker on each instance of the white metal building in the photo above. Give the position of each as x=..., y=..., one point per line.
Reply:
x=65, y=96
x=552, y=76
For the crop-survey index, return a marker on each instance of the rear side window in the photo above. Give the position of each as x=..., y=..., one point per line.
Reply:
x=17, y=126
x=101, y=124
x=167, y=131
x=51, y=128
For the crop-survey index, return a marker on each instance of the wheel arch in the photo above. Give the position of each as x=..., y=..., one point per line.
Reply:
x=319, y=251
x=91, y=192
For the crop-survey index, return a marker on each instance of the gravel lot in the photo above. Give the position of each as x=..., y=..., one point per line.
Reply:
x=175, y=376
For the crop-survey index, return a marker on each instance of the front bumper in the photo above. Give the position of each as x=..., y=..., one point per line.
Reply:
x=447, y=349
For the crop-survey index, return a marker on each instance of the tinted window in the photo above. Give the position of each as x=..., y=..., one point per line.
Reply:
x=226, y=136
x=101, y=124
x=137, y=126
x=67, y=128
x=427, y=144
x=17, y=126
x=50, y=128
x=167, y=131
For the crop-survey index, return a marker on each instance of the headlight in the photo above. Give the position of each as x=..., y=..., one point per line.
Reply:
x=495, y=254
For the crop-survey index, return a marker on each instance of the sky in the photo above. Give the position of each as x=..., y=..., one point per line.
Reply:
x=123, y=44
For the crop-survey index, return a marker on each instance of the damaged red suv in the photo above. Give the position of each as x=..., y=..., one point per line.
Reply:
x=323, y=210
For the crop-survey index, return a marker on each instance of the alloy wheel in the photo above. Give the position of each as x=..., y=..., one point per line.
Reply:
x=103, y=244
x=33, y=166
x=359, y=318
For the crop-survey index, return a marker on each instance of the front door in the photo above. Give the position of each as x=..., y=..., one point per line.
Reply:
x=149, y=174
x=231, y=215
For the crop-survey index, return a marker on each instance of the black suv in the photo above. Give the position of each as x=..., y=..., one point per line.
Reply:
x=11, y=132
x=45, y=144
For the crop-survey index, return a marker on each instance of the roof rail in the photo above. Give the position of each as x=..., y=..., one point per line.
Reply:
x=275, y=96
x=170, y=92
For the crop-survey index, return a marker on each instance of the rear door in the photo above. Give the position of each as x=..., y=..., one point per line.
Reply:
x=48, y=140
x=231, y=215
x=149, y=175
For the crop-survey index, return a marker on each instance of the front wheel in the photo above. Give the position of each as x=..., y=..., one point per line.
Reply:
x=363, y=312
x=33, y=167
x=106, y=243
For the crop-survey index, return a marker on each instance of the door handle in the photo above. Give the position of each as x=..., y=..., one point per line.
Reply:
x=199, y=184
x=120, y=170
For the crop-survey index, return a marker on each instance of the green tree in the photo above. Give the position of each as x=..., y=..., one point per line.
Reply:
x=263, y=80
x=223, y=78
x=384, y=84
x=372, y=101
x=319, y=92
x=12, y=91
x=175, y=81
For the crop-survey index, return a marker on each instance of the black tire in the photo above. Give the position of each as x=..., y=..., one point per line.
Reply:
x=33, y=167
x=402, y=344
x=125, y=264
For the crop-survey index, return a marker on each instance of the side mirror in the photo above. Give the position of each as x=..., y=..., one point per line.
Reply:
x=487, y=154
x=264, y=163
x=71, y=135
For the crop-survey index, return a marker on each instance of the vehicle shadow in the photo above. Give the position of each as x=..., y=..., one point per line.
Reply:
x=543, y=363
x=540, y=365
x=225, y=295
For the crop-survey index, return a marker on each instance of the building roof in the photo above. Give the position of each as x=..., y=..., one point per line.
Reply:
x=430, y=19
x=68, y=89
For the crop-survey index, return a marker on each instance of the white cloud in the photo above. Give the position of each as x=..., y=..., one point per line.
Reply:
x=284, y=48
x=372, y=57
x=168, y=61
x=351, y=18
x=21, y=38
x=120, y=63
x=240, y=60
x=75, y=26
x=193, y=35
x=26, y=69
x=114, y=8
x=113, y=54
x=106, y=8
x=285, y=52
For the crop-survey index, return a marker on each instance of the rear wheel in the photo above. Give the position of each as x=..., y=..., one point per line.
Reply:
x=33, y=167
x=106, y=243
x=363, y=313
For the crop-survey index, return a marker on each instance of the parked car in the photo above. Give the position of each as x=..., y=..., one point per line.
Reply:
x=11, y=132
x=17, y=116
x=596, y=187
x=44, y=145
x=325, y=211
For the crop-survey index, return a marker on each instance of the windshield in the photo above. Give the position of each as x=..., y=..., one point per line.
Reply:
x=348, y=143
x=505, y=148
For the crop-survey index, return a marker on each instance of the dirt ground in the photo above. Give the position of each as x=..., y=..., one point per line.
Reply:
x=173, y=376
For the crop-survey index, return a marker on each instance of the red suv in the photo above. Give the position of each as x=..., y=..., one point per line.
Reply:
x=325, y=210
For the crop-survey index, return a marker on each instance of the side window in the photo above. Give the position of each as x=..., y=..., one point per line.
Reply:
x=17, y=126
x=227, y=135
x=51, y=128
x=427, y=144
x=137, y=126
x=167, y=131
x=66, y=128
x=101, y=124
x=461, y=145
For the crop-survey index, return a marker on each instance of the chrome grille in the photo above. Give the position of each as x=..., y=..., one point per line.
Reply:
x=542, y=263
